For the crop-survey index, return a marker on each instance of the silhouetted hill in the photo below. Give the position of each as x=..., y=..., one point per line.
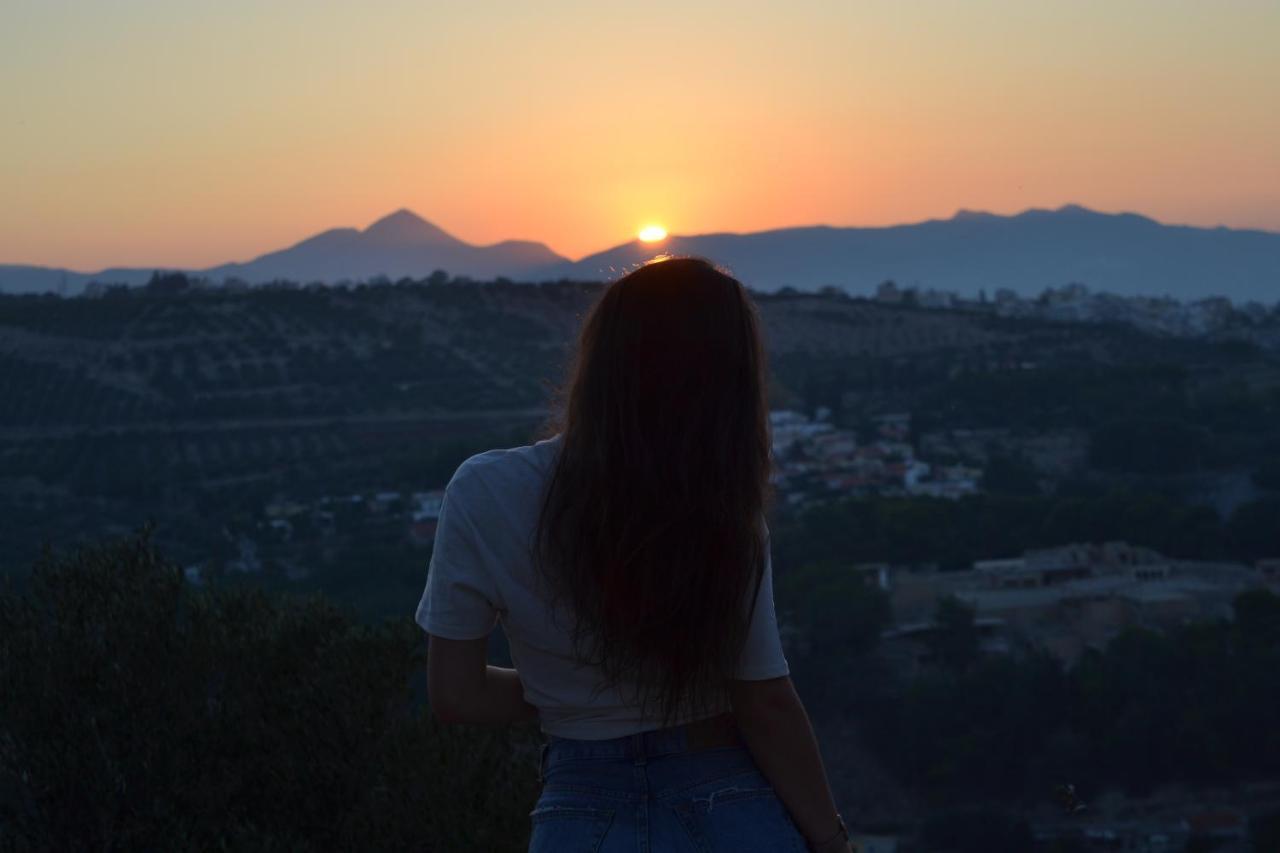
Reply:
x=1121, y=253
x=399, y=245
x=402, y=244
x=18, y=278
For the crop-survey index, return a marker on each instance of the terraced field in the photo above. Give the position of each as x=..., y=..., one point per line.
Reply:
x=193, y=405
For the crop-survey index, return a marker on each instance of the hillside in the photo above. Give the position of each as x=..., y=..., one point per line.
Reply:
x=203, y=357
x=285, y=439
x=200, y=406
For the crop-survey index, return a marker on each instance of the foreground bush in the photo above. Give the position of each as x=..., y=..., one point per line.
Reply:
x=138, y=712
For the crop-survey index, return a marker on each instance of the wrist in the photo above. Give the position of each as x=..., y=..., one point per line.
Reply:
x=837, y=840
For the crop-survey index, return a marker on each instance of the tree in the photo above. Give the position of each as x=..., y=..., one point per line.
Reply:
x=140, y=713
x=168, y=283
x=1150, y=446
x=976, y=832
x=1264, y=831
x=841, y=612
x=954, y=641
x=1010, y=474
x=1255, y=528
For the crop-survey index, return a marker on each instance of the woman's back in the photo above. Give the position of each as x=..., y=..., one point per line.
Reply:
x=482, y=573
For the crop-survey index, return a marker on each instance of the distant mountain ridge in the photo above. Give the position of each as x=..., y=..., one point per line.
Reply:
x=397, y=245
x=973, y=251
x=401, y=244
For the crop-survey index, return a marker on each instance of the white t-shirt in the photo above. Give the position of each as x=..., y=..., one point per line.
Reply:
x=481, y=573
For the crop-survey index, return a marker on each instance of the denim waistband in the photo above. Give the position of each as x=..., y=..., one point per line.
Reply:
x=635, y=747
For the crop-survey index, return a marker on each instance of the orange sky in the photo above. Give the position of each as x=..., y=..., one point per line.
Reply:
x=141, y=132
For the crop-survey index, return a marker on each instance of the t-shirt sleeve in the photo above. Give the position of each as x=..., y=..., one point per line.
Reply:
x=762, y=655
x=459, y=602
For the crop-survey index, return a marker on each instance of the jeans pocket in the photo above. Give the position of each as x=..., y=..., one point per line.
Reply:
x=741, y=814
x=568, y=829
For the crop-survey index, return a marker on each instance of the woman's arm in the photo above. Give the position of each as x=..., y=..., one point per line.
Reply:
x=776, y=728
x=462, y=688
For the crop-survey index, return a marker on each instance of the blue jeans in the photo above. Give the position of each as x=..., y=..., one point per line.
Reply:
x=646, y=793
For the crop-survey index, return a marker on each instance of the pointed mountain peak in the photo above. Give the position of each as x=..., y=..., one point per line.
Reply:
x=405, y=226
x=403, y=216
x=1074, y=211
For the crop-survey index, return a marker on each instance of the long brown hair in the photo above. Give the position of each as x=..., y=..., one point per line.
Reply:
x=651, y=529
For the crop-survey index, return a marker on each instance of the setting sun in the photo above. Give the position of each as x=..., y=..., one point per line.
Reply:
x=652, y=234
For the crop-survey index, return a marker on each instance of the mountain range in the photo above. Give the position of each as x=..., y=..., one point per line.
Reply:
x=398, y=245
x=1122, y=253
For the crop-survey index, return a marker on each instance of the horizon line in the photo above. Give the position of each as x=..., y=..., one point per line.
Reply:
x=958, y=213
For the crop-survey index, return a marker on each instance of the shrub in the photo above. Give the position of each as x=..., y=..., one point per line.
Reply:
x=140, y=712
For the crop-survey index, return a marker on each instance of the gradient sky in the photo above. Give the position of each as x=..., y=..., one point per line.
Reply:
x=166, y=132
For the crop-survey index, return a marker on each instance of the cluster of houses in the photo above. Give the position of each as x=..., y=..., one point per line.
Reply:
x=815, y=460
x=1162, y=315
x=1064, y=600
x=1214, y=316
x=419, y=511
x=416, y=513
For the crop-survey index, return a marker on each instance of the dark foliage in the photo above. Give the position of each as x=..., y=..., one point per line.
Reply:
x=1150, y=446
x=976, y=832
x=140, y=713
x=1264, y=832
x=985, y=526
x=842, y=613
x=1194, y=706
x=955, y=642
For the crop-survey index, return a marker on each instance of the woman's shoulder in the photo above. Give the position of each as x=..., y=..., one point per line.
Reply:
x=503, y=468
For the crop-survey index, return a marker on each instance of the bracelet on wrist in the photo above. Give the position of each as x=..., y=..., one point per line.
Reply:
x=842, y=832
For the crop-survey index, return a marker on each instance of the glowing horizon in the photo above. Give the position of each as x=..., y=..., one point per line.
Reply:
x=149, y=133
x=652, y=234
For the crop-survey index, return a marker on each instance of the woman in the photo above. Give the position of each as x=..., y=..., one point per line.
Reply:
x=628, y=560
